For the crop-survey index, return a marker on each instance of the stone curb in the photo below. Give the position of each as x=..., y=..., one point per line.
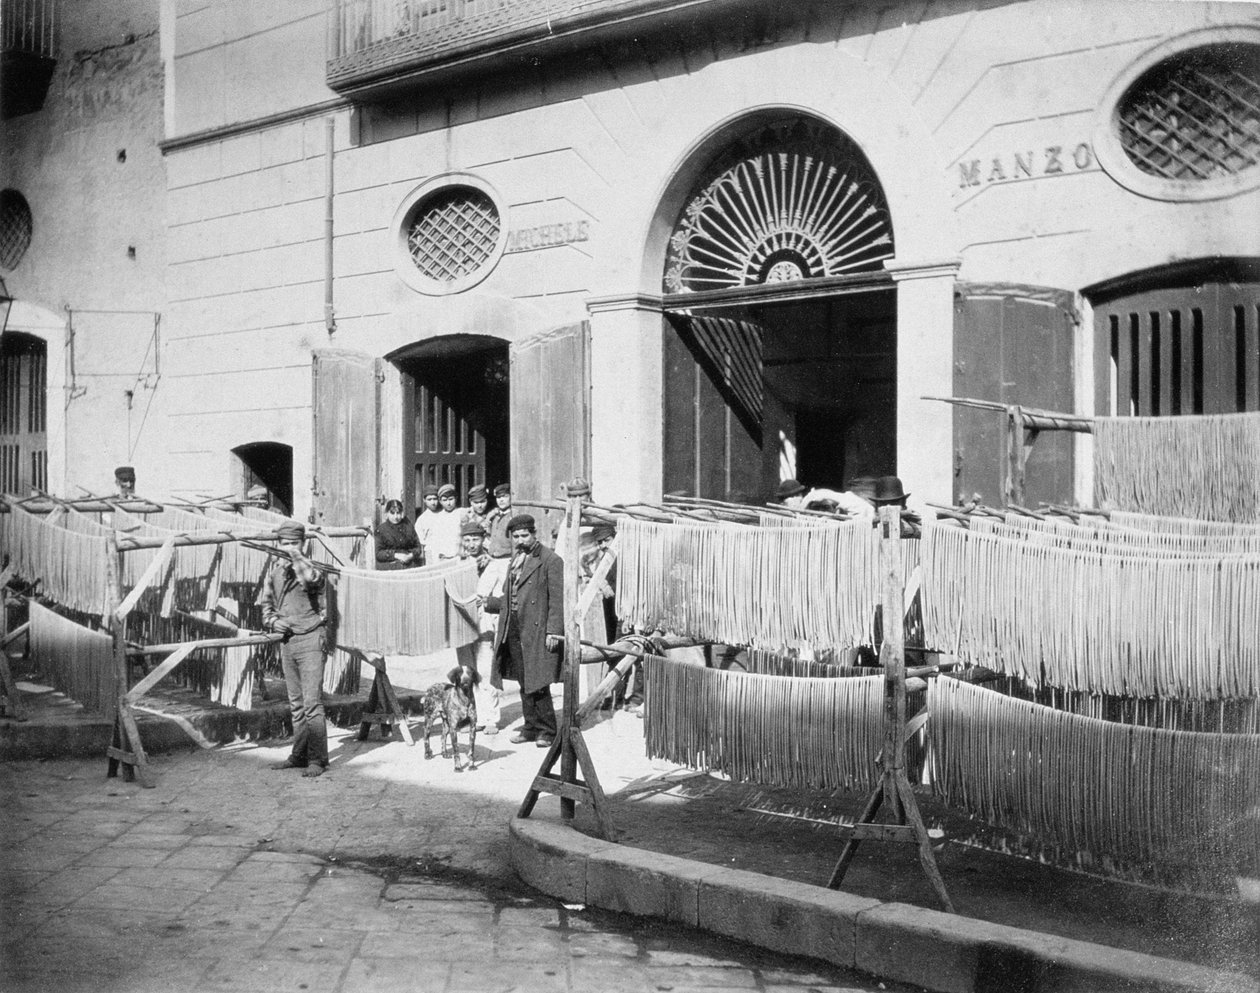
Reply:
x=929, y=948
x=159, y=733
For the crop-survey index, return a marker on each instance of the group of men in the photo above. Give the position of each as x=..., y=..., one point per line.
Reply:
x=440, y=525
x=519, y=603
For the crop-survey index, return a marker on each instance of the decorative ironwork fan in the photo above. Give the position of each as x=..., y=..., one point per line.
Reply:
x=795, y=201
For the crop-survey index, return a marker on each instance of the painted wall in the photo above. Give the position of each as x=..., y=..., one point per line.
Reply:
x=89, y=165
x=977, y=118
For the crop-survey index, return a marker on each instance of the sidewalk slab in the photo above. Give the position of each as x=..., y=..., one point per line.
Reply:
x=938, y=951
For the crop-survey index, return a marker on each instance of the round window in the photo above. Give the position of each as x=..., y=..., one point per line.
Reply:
x=449, y=234
x=1184, y=122
x=15, y=228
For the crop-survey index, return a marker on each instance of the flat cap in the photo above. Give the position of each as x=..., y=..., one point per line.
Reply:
x=471, y=527
x=291, y=531
x=501, y=489
x=446, y=489
x=522, y=522
x=478, y=492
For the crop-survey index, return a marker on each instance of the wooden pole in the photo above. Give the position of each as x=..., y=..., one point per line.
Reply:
x=126, y=748
x=572, y=638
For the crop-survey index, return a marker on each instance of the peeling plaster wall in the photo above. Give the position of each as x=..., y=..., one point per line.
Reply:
x=89, y=165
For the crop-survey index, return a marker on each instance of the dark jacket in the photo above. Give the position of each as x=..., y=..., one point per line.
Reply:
x=300, y=603
x=529, y=610
x=391, y=538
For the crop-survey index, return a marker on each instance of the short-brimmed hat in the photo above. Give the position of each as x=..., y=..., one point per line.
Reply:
x=888, y=490
x=604, y=532
x=446, y=489
x=125, y=472
x=522, y=522
x=291, y=531
x=478, y=492
x=789, y=488
x=502, y=489
x=471, y=527
x=430, y=491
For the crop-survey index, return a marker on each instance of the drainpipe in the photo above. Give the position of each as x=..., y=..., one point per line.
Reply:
x=330, y=321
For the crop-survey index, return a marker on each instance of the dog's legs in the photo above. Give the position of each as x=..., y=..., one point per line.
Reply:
x=428, y=724
x=448, y=740
x=472, y=740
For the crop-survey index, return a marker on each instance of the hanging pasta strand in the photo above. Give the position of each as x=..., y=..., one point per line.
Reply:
x=1205, y=466
x=75, y=660
x=775, y=730
x=1170, y=804
x=406, y=612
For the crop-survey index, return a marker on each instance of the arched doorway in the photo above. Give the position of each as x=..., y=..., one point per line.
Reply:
x=782, y=360
x=455, y=422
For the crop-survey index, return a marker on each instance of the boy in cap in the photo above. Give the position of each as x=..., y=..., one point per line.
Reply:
x=424, y=522
x=478, y=507
x=480, y=654
x=293, y=604
x=498, y=542
x=530, y=629
x=444, y=533
x=125, y=481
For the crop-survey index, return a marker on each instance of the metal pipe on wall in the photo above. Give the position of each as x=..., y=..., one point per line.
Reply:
x=330, y=320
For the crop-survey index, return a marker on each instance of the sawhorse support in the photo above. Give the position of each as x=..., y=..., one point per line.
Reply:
x=569, y=746
x=13, y=706
x=907, y=823
x=126, y=750
x=382, y=705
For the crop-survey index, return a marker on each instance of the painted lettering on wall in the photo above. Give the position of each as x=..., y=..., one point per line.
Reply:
x=547, y=236
x=1050, y=160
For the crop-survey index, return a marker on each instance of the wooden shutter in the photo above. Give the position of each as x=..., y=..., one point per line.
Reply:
x=23, y=414
x=549, y=384
x=344, y=457
x=1012, y=344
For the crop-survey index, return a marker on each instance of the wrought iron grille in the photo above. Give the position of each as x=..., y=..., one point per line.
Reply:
x=453, y=234
x=796, y=200
x=1196, y=116
x=15, y=228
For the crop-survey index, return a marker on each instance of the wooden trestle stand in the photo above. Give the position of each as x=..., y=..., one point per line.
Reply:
x=894, y=789
x=382, y=705
x=569, y=746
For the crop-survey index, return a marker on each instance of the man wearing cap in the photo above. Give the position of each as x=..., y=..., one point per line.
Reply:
x=125, y=481
x=293, y=605
x=530, y=629
x=497, y=540
x=424, y=522
x=444, y=532
x=480, y=654
x=478, y=507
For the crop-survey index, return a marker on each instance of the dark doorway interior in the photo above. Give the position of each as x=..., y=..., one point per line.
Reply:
x=807, y=386
x=456, y=415
x=268, y=464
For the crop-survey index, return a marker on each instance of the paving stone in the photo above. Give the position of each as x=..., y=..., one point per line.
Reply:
x=394, y=974
x=702, y=977
x=527, y=977
x=529, y=944
x=124, y=855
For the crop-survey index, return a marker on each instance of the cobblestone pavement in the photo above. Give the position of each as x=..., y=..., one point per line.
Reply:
x=388, y=873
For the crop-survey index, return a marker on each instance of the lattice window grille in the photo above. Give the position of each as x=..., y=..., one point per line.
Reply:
x=454, y=234
x=797, y=202
x=1195, y=117
x=15, y=228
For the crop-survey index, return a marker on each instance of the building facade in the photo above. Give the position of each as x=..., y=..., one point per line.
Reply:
x=668, y=245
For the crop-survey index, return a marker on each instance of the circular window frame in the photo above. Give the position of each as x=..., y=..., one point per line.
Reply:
x=1115, y=161
x=406, y=213
x=19, y=253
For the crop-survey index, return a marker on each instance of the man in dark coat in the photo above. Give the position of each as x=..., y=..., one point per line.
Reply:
x=529, y=635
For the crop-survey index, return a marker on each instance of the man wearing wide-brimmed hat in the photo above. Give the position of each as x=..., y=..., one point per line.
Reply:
x=293, y=605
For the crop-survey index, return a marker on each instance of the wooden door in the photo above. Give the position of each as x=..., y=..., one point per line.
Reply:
x=1012, y=344
x=550, y=405
x=1181, y=349
x=344, y=455
x=23, y=414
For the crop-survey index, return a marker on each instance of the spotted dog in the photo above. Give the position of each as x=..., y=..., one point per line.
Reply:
x=453, y=704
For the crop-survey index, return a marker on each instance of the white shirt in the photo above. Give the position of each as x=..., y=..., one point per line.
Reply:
x=846, y=502
x=444, y=536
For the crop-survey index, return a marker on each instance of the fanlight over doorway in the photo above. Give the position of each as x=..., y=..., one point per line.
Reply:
x=793, y=201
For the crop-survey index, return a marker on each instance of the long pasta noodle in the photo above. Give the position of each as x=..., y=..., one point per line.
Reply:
x=74, y=659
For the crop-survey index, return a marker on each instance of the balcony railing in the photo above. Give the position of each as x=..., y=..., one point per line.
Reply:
x=28, y=52
x=379, y=44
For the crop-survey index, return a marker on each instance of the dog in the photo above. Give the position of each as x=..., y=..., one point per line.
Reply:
x=453, y=704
